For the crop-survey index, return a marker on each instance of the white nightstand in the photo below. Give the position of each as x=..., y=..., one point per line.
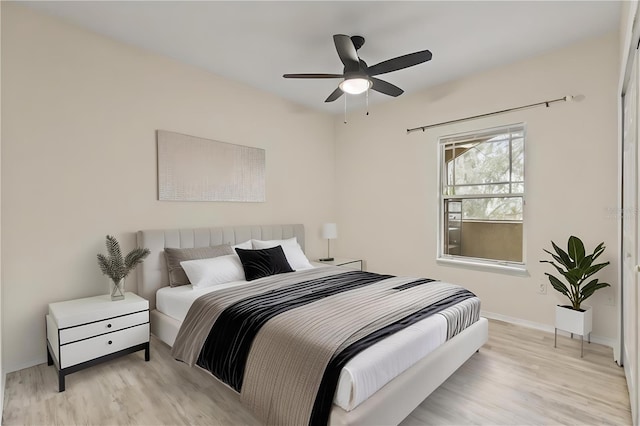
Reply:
x=344, y=262
x=85, y=332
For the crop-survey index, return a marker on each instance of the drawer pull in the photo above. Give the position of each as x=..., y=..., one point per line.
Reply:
x=110, y=342
x=108, y=325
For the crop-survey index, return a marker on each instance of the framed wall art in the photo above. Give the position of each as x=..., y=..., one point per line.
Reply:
x=198, y=169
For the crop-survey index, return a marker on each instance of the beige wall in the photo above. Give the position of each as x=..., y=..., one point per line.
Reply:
x=79, y=161
x=571, y=175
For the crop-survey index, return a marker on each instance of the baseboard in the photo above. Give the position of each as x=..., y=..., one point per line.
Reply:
x=24, y=363
x=543, y=327
x=4, y=381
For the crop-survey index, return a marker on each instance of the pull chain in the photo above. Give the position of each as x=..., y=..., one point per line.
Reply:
x=345, y=108
x=367, y=101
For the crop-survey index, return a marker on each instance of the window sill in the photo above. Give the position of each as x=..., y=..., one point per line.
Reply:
x=500, y=267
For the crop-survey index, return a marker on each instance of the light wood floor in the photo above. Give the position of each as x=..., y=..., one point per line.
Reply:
x=516, y=378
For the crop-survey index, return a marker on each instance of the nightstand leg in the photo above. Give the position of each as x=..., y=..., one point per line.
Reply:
x=147, y=352
x=60, y=381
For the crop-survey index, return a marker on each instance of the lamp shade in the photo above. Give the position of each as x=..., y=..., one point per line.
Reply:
x=355, y=86
x=329, y=231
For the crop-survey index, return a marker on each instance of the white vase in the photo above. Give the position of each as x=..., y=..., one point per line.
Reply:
x=117, y=290
x=575, y=322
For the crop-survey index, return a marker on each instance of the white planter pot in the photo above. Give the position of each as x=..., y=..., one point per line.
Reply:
x=573, y=321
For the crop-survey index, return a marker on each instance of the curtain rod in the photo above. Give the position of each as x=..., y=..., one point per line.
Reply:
x=545, y=103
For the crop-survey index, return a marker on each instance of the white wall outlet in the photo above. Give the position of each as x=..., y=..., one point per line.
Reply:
x=542, y=287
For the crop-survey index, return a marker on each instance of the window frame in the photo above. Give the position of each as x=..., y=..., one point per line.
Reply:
x=475, y=262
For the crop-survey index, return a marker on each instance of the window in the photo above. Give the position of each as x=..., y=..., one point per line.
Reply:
x=482, y=196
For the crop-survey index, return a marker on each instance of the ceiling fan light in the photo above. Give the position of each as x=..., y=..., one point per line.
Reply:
x=355, y=86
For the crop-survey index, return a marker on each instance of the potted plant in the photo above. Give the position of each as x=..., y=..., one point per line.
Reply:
x=117, y=267
x=577, y=268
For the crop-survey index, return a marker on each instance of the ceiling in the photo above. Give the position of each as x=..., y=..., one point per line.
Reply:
x=256, y=42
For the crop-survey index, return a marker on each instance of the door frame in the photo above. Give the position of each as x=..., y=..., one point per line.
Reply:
x=631, y=43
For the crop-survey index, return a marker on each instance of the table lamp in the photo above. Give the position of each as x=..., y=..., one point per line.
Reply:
x=330, y=232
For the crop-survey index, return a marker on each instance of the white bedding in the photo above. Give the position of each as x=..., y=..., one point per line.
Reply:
x=365, y=373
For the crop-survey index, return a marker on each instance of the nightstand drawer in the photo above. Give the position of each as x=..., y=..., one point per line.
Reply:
x=81, y=332
x=85, y=350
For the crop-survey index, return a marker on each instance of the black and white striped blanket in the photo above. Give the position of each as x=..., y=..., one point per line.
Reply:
x=281, y=341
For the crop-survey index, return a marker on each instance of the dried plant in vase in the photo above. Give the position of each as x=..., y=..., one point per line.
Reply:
x=117, y=267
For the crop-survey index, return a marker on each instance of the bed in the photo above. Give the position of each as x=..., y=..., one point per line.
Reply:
x=388, y=405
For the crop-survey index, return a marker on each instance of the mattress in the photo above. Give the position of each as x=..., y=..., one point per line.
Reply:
x=365, y=373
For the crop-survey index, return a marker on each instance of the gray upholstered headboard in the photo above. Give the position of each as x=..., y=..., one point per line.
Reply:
x=152, y=273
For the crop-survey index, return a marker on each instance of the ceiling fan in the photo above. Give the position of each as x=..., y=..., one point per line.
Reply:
x=357, y=76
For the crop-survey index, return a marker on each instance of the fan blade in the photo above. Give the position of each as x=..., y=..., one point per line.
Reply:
x=386, y=88
x=312, y=75
x=334, y=95
x=400, y=62
x=347, y=52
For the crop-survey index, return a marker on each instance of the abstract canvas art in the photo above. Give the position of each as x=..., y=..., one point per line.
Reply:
x=197, y=169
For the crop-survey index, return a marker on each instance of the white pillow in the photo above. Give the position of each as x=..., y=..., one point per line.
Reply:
x=262, y=244
x=246, y=245
x=213, y=271
x=292, y=251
